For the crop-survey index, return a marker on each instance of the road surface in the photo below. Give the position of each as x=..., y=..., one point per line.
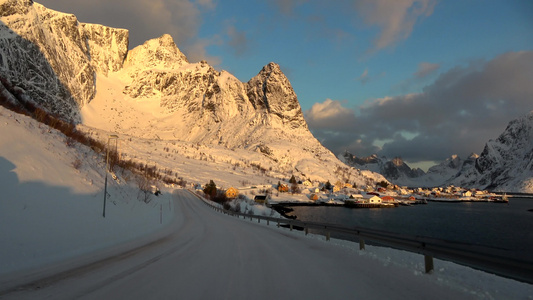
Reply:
x=210, y=255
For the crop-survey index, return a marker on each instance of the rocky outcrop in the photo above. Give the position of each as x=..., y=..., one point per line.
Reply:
x=270, y=90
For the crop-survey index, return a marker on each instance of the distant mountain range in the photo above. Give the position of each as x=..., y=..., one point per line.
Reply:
x=506, y=164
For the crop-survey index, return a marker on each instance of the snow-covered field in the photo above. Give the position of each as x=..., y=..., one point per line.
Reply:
x=51, y=221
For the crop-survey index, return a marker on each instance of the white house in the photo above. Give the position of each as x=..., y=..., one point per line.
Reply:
x=374, y=199
x=467, y=194
x=307, y=183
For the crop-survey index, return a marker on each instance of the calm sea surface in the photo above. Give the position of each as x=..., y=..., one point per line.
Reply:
x=508, y=227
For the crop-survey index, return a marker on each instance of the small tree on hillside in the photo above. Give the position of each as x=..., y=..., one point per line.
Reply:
x=327, y=186
x=210, y=189
x=383, y=184
x=292, y=180
x=295, y=189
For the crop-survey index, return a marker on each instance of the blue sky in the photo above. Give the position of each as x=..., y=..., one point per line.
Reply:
x=419, y=79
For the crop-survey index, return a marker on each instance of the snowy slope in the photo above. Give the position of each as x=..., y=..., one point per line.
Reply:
x=50, y=210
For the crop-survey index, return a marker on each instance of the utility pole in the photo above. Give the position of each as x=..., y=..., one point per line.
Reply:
x=115, y=137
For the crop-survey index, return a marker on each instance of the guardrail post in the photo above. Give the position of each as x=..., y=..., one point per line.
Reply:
x=327, y=235
x=306, y=230
x=428, y=261
x=291, y=226
x=361, y=244
x=258, y=220
x=267, y=223
x=278, y=223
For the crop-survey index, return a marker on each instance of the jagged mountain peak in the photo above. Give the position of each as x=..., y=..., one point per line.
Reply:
x=272, y=67
x=397, y=161
x=473, y=156
x=160, y=52
x=271, y=90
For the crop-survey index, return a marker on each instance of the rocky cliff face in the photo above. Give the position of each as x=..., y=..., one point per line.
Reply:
x=51, y=56
x=107, y=46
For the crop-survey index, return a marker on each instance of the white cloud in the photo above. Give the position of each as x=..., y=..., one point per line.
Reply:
x=330, y=115
x=395, y=18
x=364, y=78
x=425, y=69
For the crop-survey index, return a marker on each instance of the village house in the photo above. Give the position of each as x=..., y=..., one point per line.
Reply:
x=283, y=188
x=374, y=200
x=387, y=199
x=307, y=183
x=232, y=193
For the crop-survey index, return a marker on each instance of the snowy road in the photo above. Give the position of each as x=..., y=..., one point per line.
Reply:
x=214, y=256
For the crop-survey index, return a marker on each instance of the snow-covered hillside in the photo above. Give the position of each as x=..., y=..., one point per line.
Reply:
x=52, y=199
x=152, y=94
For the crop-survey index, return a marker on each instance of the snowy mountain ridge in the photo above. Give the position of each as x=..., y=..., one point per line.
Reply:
x=84, y=72
x=505, y=165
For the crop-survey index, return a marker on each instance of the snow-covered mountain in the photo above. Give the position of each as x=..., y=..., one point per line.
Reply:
x=506, y=164
x=85, y=73
x=395, y=170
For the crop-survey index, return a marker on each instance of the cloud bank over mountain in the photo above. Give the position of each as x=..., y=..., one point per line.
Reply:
x=456, y=114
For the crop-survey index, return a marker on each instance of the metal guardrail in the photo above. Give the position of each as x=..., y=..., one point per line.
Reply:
x=476, y=257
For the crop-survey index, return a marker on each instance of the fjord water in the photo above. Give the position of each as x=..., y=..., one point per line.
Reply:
x=507, y=228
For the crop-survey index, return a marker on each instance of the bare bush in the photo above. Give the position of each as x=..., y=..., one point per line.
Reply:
x=145, y=189
x=77, y=163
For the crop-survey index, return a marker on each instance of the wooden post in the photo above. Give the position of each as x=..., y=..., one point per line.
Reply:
x=361, y=244
x=267, y=222
x=327, y=235
x=291, y=226
x=306, y=230
x=428, y=261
